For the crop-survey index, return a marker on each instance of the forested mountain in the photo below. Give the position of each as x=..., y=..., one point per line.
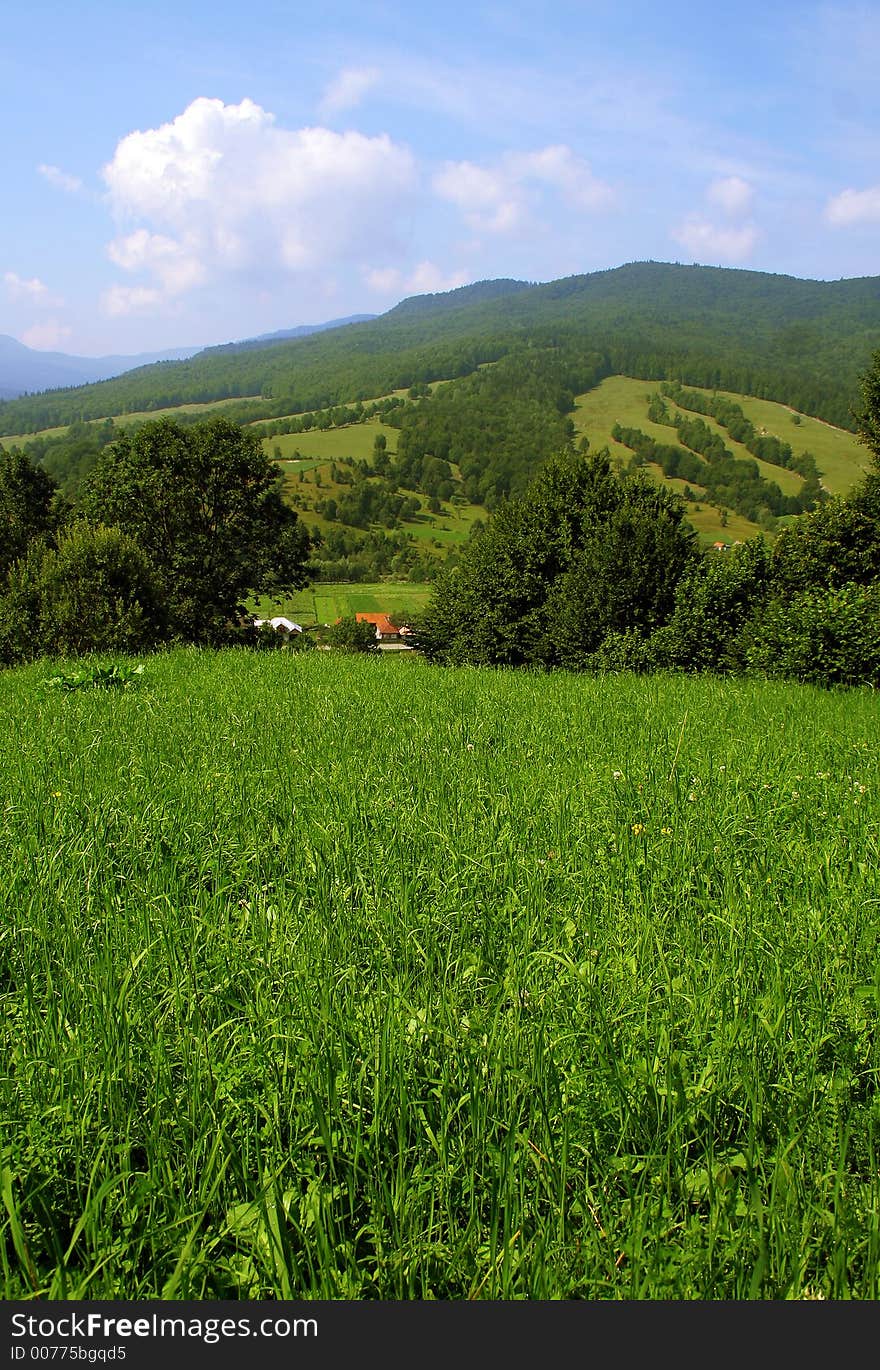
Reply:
x=303, y=330
x=802, y=342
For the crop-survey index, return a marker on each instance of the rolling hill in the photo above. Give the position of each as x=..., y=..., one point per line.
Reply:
x=799, y=342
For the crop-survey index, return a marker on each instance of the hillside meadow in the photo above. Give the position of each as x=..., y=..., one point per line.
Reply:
x=332, y=977
x=841, y=458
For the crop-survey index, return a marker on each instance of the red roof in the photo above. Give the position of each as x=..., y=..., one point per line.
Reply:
x=382, y=623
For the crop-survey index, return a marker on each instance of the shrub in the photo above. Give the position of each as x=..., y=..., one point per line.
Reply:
x=351, y=635
x=714, y=599
x=95, y=592
x=824, y=637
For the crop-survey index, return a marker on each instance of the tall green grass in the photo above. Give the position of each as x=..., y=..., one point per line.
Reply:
x=326, y=977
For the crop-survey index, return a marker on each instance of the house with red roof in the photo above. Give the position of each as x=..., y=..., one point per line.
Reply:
x=386, y=631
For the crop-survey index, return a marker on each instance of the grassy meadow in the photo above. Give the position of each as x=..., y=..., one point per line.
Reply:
x=330, y=977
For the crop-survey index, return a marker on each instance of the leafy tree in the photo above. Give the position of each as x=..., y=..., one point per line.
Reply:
x=29, y=507
x=836, y=544
x=205, y=504
x=582, y=555
x=821, y=636
x=869, y=416
x=353, y=635
x=95, y=591
x=717, y=595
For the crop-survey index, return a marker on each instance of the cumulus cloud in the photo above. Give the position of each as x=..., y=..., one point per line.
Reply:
x=500, y=198
x=120, y=300
x=222, y=189
x=709, y=242
x=177, y=268
x=424, y=279
x=46, y=336
x=731, y=240
x=732, y=195
x=854, y=207
x=348, y=89
x=60, y=179
x=34, y=290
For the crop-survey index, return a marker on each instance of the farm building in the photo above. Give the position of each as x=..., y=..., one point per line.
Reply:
x=386, y=631
x=280, y=624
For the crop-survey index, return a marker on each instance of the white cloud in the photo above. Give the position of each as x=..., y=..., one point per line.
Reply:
x=424, y=279
x=732, y=195
x=60, y=179
x=488, y=200
x=733, y=239
x=500, y=198
x=120, y=300
x=224, y=190
x=46, y=336
x=854, y=207
x=348, y=89
x=177, y=269
x=33, y=291
x=708, y=242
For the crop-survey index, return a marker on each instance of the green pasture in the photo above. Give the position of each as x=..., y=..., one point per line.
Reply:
x=336, y=978
x=839, y=455
x=136, y=416
x=353, y=440
x=324, y=603
x=171, y=411
x=623, y=399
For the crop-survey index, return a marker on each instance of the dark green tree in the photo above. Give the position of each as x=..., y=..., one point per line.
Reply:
x=869, y=415
x=580, y=556
x=205, y=504
x=836, y=544
x=29, y=507
x=351, y=635
x=96, y=591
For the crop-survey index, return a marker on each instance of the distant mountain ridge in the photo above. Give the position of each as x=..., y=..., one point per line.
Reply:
x=303, y=330
x=25, y=370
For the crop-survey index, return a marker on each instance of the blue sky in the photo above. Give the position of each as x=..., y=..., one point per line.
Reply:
x=191, y=173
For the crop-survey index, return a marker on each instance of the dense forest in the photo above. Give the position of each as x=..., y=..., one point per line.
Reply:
x=776, y=337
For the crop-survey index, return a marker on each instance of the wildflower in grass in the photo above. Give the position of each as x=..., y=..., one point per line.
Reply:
x=617, y=775
x=638, y=828
x=667, y=832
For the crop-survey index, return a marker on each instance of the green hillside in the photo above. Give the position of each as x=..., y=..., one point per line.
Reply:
x=840, y=458
x=799, y=342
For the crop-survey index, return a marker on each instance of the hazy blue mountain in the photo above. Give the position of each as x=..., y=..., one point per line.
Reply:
x=23, y=369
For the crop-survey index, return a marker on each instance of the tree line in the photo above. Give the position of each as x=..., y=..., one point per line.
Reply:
x=172, y=529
